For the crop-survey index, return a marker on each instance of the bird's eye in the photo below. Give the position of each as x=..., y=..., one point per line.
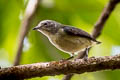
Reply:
x=45, y=24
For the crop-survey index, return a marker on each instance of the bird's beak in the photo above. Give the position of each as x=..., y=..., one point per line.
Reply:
x=35, y=28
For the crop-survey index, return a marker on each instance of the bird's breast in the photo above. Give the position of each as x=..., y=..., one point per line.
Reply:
x=69, y=44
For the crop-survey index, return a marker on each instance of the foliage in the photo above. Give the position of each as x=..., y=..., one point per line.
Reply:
x=80, y=13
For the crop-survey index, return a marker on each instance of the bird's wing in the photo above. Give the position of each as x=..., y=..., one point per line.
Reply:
x=77, y=32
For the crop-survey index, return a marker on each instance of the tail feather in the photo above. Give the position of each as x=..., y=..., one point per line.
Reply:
x=98, y=42
x=95, y=42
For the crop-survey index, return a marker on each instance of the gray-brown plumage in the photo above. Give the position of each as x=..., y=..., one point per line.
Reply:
x=66, y=38
x=78, y=32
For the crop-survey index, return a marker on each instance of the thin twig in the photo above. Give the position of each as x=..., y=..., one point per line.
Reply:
x=103, y=18
x=78, y=66
x=30, y=10
x=98, y=26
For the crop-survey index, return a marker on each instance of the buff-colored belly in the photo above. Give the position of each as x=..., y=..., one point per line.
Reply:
x=71, y=44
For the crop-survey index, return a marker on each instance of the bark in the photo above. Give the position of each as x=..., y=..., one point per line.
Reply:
x=78, y=66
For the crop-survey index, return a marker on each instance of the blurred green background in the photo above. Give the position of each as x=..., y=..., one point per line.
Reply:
x=80, y=13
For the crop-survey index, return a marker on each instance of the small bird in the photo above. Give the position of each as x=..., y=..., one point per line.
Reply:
x=66, y=38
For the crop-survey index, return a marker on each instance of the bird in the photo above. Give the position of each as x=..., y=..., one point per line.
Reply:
x=66, y=38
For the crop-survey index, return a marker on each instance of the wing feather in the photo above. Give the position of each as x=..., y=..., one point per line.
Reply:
x=78, y=32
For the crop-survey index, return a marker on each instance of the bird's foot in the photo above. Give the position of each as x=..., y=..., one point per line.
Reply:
x=63, y=60
x=70, y=58
x=67, y=58
x=85, y=58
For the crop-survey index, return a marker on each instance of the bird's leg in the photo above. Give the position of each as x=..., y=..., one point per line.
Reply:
x=86, y=54
x=71, y=56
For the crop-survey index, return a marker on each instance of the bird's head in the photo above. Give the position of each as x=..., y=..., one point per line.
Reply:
x=48, y=27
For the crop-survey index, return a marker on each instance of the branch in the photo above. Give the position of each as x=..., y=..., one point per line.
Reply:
x=78, y=66
x=103, y=18
x=98, y=27
x=30, y=10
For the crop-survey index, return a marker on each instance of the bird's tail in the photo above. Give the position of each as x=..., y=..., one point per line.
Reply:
x=95, y=42
x=98, y=42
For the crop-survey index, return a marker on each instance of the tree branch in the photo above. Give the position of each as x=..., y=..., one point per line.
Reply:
x=103, y=18
x=30, y=10
x=78, y=66
x=98, y=27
